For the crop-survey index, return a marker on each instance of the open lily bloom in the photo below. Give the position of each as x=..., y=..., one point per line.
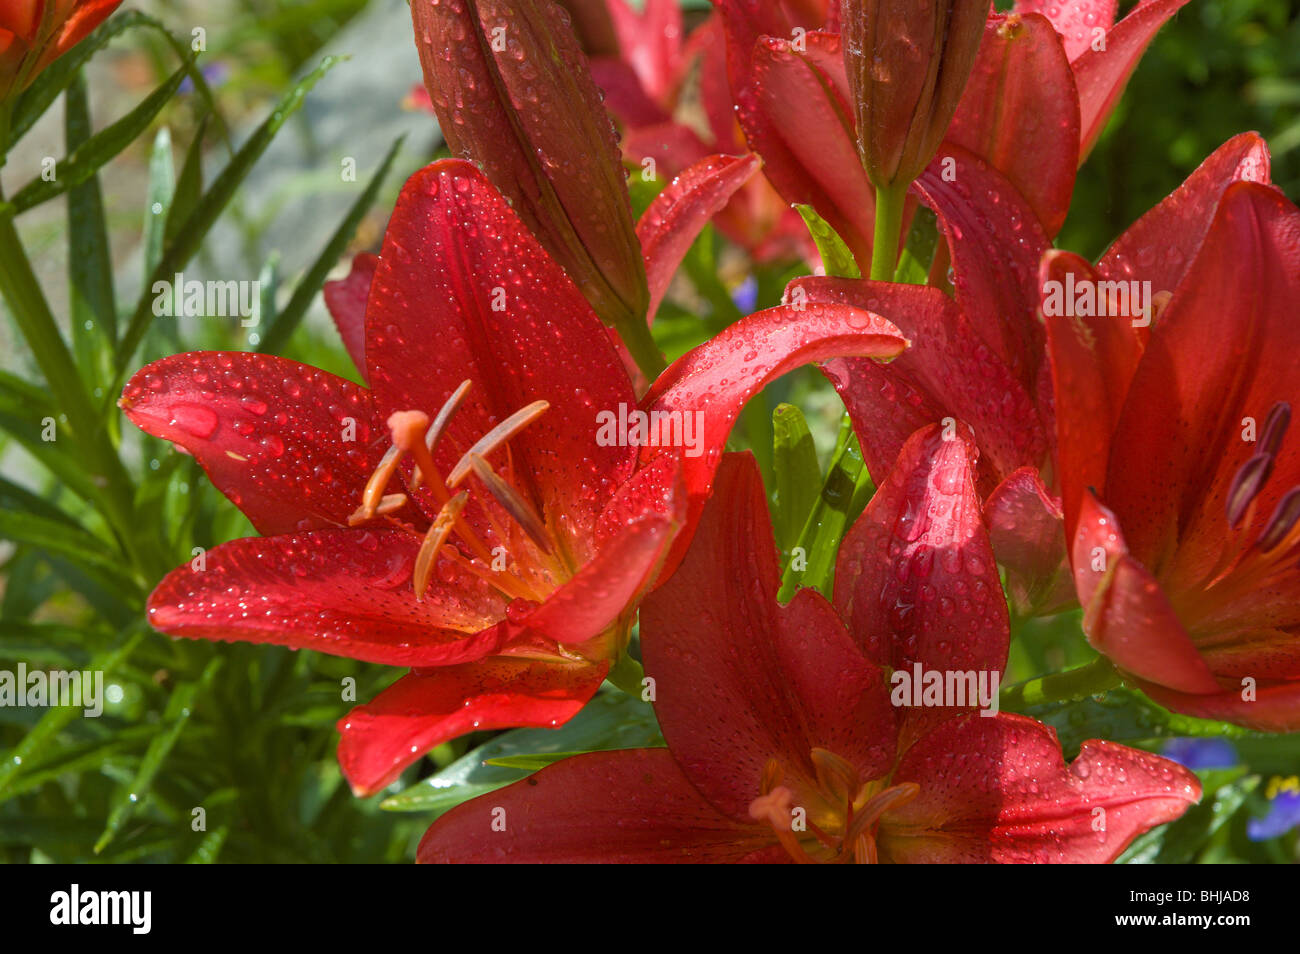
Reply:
x=463, y=517
x=1178, y=472
x=783, y=740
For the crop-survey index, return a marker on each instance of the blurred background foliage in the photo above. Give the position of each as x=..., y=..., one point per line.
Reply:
x=246, y=733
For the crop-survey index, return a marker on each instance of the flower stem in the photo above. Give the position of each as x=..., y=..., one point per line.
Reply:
x=641, y=346
x=627, y=674
x=1073, y=684
x=889, y=227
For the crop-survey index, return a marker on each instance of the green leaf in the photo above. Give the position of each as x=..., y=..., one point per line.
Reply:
x=1123, y=715
x=278, y=333
x=209, y=848
x=158, y=199
x=837, y=260
x=798, y=475
x=175, y=717
x=62, y=538
x=612, y=720
x=90, y=267
x=82, y=163
x=918, y=251
x=56, y=77
x=189, y=185
x=844, y=493
x=56, y=718
x=190, y=234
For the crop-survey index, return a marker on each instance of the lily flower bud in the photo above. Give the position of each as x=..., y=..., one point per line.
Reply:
x=513, y=93
x=907, y=62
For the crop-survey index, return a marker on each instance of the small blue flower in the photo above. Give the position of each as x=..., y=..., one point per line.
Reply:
x=1283, y=811
x=1202, y=753
x=745, y=295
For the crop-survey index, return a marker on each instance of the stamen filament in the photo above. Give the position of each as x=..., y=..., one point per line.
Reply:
x=513, y=503
x=449, y=407
x=439, y=530
x=494, y=438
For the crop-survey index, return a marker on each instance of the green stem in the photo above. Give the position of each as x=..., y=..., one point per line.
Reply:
x=889, y=228
x=641, y=346
x=627, y=674
x=32, y=313
x=1071, y=685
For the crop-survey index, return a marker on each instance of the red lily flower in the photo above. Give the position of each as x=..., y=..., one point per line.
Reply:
x=35, y=33
x=512, y=92
x=979, y=358
x=791, y=749
x=645, y=84
x=1177, y=476
x=463, y=516
x=1035, y=104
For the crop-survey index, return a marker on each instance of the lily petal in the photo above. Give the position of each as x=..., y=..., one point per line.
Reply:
x=1020, y=113
x=1181, y=427
x=777, y=681
x=794, y=109
x=996, y=242
x=633, y=806
x=997, y=789
x=915, y=581
x=718, y=377
x=344, y=592
x=423, y=709
x=290, y=445
x=1160, y=246
x=1076, y=20
x=1126, y=616
x=681, y=210
x=1027, y=530
x=1273, y=708
x=1102, y=72
x=1092, y=362
x=346, y=301
x=929, y=381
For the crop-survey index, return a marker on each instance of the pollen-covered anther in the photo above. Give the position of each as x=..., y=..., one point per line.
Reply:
x=437, y=535
x=494, y=438
x=1282, y=525
x=1254, y=473
x=512, y=502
